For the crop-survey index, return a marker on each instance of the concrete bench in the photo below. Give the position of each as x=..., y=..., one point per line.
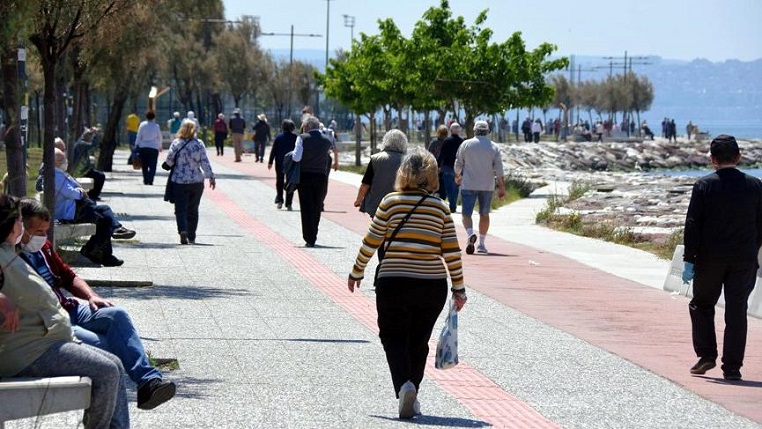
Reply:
x=31, y=397
x=67, y=231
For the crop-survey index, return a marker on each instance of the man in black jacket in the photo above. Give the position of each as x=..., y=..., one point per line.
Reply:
x=311, y=152
x=723, y=234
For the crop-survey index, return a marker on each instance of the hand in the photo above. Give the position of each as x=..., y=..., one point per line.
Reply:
x=269, y=166
x=10, y=314
x=358, y=202
x=460, y=299
x=689, y=271
x=352, y=283
x=458, y=179
x=501, y=192
x=336, y=166
x=97, y=302
x=212, y=183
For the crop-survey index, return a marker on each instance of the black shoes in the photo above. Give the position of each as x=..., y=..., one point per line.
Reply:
x=704, y=365
x=112, y=261
x=731, y=375
x=183, y=237
x=470, y=246
x=154, y=393
x=122, y=233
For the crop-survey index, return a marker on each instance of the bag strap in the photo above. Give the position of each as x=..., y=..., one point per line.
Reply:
x=399, y=225
x=172, y=170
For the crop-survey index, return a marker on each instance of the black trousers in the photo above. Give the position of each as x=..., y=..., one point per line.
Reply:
x=187, y=200
x=259, y=149
x=737, y=279
x=99, y=178
x=149, y=158
x=280, y=182
x=407, y=311
x=311, y=193
x=105, y=222
x=219, y=142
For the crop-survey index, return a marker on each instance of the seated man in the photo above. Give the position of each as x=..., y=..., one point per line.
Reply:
x=83, y=167
x=98, y=322
x=72, y=205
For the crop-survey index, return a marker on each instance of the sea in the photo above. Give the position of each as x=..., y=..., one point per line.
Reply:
x=756, y=172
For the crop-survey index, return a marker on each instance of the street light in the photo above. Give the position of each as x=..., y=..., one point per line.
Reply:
x=349, y=21
x=327, y=32
x=290, y=57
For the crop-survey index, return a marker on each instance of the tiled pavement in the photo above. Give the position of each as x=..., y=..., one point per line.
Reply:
x=559, y=331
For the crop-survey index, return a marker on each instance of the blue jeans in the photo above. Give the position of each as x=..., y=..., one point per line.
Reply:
x=111, y=329
x=108, y=398
x=187, y=200
x=451, y=188
x=469, y=201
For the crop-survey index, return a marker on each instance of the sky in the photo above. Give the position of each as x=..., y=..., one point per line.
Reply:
x=716, y=30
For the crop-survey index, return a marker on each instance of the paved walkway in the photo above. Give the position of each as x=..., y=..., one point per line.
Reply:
x=560, y=331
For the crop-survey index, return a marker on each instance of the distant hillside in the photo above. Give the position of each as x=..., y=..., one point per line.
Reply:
x=719, y=97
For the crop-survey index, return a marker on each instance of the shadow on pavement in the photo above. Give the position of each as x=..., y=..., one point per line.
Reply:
x=325, y=340
x=147, y=217
x=183, y=292
x=440, y=421
x=740, y=383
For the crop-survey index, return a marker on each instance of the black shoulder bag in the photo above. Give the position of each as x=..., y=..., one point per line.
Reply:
x=386, y=243
x=169, y=190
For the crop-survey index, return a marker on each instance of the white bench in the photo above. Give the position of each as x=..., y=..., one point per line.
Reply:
x=66, y=231
x=31, y=397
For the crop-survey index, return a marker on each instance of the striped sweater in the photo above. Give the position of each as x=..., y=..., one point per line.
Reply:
x=424, y=241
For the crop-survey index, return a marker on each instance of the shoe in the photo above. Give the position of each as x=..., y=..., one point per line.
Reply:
x=122, y=233
x=470, y=246
x=289, y=208
x=191, y=241
x=731, y=374
x=481, y=249
x=703, y=365
x=94, y=256
x=154, y=393
x=309, y=244
x=408, y=396
x=183, y=237
x=280, y=206
x=112, y=261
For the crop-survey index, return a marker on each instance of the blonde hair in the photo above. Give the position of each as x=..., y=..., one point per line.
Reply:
x=418, y=171
x=442, y=132
x=187, y=130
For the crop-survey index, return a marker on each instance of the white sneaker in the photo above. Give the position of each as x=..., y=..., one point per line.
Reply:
x=481, y=249
x=408, y=397
x=417, y=408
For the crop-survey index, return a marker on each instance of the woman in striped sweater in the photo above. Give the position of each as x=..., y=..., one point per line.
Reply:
x=411, y=285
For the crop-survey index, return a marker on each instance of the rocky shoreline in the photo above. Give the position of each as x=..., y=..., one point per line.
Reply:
x=622, y=190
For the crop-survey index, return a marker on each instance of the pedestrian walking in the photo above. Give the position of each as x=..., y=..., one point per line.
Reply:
x=381, y=172
x=311, y=152
x=148, y=145
x=237, y=127
x=261, y=137
x=220, y=129
x=435, y=147
x=723, y=234
x=191, y=165
x=478, y=166
x=415, y=233
x=446, y=163
x=284, y=143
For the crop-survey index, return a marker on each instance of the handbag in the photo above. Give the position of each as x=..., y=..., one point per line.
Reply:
x=385, y=244
x=447, y=345
x=169, y=189
x=137, y=163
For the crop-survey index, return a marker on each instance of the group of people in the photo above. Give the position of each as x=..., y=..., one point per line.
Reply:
x=237, y=127
x=85, y=335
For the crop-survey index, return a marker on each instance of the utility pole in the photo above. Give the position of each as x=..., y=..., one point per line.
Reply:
x=291, y=58
x=327, y=35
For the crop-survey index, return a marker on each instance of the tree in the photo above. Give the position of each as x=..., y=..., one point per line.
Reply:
x=642, y=91
x=239, y=58
x=13, y=14
x=55, y=24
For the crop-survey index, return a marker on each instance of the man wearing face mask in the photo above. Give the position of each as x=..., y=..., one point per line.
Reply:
x=98, y=323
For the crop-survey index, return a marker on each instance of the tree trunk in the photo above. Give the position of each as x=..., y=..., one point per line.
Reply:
x=108, y=143
x=15, y=182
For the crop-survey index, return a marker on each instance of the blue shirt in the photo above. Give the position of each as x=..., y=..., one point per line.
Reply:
x=67, y=192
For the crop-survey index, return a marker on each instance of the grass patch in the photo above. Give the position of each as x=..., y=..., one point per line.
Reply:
x=353, y=168
x=164, y=364
x=33, y=161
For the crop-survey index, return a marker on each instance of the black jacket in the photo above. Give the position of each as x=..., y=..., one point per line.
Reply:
x=724, y=219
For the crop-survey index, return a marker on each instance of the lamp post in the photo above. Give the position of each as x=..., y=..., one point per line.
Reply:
x=290, y=57
x=349, y=21
x=327, y=34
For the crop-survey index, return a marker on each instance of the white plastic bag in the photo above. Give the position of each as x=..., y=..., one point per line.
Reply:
x=447, y=346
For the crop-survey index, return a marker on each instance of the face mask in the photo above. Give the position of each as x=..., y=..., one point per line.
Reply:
x=18, y=239
x=35, y=243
